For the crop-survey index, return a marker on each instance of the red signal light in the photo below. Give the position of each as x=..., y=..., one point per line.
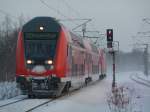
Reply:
x=109, y=35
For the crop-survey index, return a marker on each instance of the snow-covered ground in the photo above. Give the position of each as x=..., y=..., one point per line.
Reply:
x=93, y=98
x=8, y=90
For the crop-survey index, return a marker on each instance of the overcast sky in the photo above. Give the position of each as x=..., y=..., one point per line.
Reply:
x=124, y=16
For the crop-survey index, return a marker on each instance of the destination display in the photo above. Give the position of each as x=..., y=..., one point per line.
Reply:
x=40, y=36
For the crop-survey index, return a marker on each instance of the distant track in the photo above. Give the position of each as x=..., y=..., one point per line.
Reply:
x=143, y=79
x=12, y=102
x=140, y=81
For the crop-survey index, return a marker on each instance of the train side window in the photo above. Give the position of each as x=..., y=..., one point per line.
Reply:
x=67, y=49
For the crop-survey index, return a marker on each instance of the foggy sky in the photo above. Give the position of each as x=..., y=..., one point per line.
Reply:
x=124, y=16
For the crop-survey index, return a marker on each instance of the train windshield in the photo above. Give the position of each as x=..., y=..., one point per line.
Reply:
x=40, y=45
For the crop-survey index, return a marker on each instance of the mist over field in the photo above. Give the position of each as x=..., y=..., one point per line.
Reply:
x=131, y=61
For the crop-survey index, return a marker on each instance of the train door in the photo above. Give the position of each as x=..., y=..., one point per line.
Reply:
x=87, y=64
x=69, y=53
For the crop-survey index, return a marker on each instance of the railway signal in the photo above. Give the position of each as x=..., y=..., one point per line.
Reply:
x=109, y=33
x=113, y=53
x=111, y=45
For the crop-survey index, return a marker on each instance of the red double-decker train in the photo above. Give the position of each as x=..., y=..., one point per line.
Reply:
x=50, y=59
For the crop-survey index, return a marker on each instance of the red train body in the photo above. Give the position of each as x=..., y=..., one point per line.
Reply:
x=50, y=59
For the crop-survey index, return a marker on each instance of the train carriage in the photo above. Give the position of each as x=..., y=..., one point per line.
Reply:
x=51, y=60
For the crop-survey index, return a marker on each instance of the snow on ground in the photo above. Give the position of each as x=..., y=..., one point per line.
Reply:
x=8, y=90
x=141, y=97
x=144, y=93
x=89, y=99
x=94, y=97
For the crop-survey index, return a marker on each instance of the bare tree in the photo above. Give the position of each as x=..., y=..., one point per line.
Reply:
x=8, y=42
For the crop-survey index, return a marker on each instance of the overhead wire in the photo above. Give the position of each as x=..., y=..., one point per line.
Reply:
x=66, y=17
x=55, y=10
x=70, y=7
x=76, y=12
x=50, y=7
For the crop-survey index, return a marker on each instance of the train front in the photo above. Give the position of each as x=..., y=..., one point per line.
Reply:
x=36, y=56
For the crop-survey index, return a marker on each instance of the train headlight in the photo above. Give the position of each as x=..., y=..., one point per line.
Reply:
x=29, y=61
x=49, y=62
x=41, y=28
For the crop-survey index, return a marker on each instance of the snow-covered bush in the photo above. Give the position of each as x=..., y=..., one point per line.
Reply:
x=120, y=99
x=8, y=90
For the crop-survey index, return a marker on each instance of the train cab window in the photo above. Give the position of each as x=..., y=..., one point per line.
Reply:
x=38, y=45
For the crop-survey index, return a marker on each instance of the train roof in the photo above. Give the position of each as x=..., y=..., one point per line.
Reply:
x=50, y=25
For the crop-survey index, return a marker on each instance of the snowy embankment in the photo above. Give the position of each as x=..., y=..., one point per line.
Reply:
x=142, y=76
x=8, y=90
x=139, y=93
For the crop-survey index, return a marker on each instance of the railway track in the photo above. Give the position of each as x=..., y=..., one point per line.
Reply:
x=37, y=106
x=27, y=101
x=10, y=103
x=30, y=108
x=147, y=81
x=62, y=96
x=140, y=80
x=25, y=105
x=18, y=102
